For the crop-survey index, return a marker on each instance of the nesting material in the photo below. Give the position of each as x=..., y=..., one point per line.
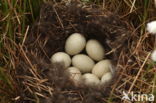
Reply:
x=48, y=36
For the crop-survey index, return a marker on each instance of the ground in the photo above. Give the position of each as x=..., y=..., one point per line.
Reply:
x=137, y=70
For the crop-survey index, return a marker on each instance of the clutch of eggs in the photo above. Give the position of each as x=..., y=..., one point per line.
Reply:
x=91, y=67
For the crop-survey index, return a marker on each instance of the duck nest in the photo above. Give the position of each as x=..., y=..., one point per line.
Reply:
x=41, y=80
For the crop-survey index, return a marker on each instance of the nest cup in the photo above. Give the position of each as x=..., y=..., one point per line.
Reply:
x=48, y=35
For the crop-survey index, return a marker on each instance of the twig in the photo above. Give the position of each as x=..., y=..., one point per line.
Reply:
x=138, y=73
x=33, y=71
x=132, y=6
x=58, y=18
x=25, y=35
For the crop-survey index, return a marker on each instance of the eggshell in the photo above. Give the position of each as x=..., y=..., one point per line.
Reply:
x=75, y=74
x=61, y=57
x=107, y=77
x=95, y=50
x=102, y=67
x=83, y=63
x=90, y=79
x=75, y=43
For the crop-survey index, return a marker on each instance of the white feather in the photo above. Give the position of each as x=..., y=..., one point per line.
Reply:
x=151, y=27
x=153, y=55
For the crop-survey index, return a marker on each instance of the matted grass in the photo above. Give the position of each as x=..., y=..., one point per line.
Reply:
x=137, y=70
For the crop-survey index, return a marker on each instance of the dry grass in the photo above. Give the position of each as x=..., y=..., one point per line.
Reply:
x=137, y=72
x=136, y=67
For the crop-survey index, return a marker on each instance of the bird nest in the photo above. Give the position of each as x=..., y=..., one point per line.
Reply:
x=40, y=79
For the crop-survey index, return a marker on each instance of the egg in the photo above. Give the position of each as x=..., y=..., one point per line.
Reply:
x=61, y=57
x=102, y=67
x=95, y=50
x=107, y=77
x=90, y=79
x=83, y=63
x=75, y=74
x=75, y=43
